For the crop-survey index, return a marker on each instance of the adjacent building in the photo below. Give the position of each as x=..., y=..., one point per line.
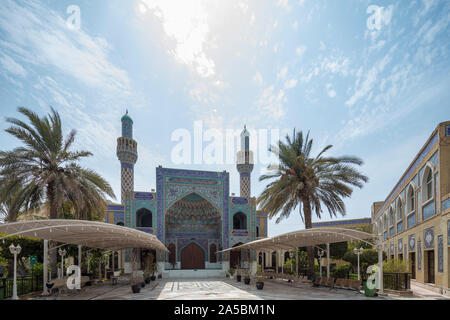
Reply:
x=414, y=220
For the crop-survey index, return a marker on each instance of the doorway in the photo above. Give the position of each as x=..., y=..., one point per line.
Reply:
x=192, y=257
x=412, y=264
x=429, y=271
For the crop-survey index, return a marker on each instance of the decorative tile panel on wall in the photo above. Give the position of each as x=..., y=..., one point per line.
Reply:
x=445, y=204
x=440, y=253
x=419, y=255
x=412, y=242
x=428, y=238
x=448, y=232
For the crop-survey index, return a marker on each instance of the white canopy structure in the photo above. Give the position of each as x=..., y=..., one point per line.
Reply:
x=85, y=233
x=304, y=238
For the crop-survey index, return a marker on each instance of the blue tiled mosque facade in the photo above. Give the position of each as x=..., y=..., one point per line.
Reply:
x=190, y=211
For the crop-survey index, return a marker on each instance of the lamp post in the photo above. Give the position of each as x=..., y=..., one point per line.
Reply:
x=291, y=254
x=380, y=263
x=358, y=252
x=15, y=250
x=62, y=253
x=320, y=253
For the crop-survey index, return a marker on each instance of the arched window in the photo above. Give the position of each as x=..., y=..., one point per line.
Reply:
x=399, y=216
x=172, y=253
x=411, y=200
x=144, y=218
x=239, y=221
x=391, y=223
x=428, y=185
x=399, y=210
x=212, y=253
x=257, y=231
x=391, y=218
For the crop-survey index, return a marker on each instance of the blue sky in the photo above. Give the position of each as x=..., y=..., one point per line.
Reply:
x=369, y=77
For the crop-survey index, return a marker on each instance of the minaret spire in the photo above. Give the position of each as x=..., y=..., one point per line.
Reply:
x=127, y=155
x=245, y=164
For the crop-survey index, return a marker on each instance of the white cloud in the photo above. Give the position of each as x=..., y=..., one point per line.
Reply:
x=284, y=4
x=282, y=73
x=330, y=91
x=295, y=25
x=12, y=66
x=369, y=81
x=39, y=36
x=186, y=22
x=300, y=50
x=322, y=46
x=271, y=103
x=258, y=78
x=290, y=83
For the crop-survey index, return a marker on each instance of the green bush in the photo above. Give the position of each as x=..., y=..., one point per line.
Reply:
x=395, y=266
x=231, y=271
x=342, y=271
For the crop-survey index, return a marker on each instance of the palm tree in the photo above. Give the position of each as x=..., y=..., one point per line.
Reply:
x=46, y=169
x=308, y=182
x=11, y=203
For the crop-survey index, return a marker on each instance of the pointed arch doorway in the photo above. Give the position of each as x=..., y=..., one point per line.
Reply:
x=192, y=257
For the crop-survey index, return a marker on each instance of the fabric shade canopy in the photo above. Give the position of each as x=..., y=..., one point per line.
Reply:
x=86, y=233
x=304, y=238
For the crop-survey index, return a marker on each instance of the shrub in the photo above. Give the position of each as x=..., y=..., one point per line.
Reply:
x=395, y=266
x=342, y=271
x=231, y=271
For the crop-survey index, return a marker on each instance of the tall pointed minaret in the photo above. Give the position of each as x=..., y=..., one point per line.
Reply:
x=127, y=154
x=245, y=164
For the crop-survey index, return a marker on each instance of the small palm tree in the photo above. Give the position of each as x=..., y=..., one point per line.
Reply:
x=308, y=183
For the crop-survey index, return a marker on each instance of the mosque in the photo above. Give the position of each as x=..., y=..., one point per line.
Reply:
x=191, y=212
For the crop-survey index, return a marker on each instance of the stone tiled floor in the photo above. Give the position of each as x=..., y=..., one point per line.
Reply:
x=226, y=289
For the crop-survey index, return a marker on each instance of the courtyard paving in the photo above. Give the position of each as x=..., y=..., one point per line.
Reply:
x=224, y=289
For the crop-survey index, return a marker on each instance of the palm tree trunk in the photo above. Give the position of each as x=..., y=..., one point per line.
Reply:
x=51, y=195
x=308, y=225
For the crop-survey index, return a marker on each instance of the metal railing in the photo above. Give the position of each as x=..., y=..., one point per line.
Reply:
x=25, y=285
x=397, y=281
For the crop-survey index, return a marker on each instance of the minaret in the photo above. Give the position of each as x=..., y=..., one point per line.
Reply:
x=245, y=164
x=127, y=154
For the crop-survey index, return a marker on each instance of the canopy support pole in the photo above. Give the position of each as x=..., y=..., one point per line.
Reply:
x=45, y=289
x=297, y=262
x=328, y=260
x=79, y=256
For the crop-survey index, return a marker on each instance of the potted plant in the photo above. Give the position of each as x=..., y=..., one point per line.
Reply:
x=230, y=273
x=147, y=277
x=259, y=279
x=238, y=274
x=246, y=275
